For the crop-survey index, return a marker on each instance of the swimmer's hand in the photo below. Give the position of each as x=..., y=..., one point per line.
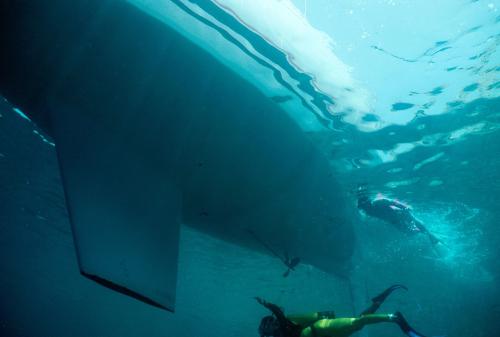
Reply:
x=261, y=301
x=266, y=304
x=277, y=311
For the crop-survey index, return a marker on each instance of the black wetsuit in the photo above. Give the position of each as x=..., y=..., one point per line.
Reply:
x=287, y=327
x=390, y=211
x=395, y=213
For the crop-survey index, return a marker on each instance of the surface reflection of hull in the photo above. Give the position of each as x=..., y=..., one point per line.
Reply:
x=150, y=132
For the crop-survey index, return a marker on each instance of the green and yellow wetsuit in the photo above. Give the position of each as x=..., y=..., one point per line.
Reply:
x=325, y=324
x=317, y=325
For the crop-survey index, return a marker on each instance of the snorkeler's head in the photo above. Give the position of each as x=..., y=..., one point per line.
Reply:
x=362, y=190
x=269, y=327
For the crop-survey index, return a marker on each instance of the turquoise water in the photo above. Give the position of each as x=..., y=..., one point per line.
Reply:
x=399, y=95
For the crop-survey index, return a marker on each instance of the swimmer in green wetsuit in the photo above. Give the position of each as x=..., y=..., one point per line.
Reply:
x=325, y=324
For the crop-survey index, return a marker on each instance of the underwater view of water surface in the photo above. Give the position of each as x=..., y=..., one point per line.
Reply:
x=272, y=168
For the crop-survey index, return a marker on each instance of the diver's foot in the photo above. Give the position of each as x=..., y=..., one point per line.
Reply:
x=434, y=240
x=379, y=299
x=398, y=318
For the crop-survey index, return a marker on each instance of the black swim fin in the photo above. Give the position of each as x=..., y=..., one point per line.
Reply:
x=383, y=295
x=403, y=324
x=434, y=239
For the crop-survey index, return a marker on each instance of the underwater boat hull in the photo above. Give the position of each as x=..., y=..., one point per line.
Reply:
x=151, y=132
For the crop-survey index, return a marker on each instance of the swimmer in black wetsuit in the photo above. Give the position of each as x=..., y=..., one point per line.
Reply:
x=393, y=212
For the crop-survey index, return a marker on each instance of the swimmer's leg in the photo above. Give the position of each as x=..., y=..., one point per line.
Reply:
x=380, y=298
x=347, y=326
x=363, y=320
x=403, y=324
x=434, y=239
x=397, y=318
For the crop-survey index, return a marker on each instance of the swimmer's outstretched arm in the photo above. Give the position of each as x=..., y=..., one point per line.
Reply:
x=275, y=310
